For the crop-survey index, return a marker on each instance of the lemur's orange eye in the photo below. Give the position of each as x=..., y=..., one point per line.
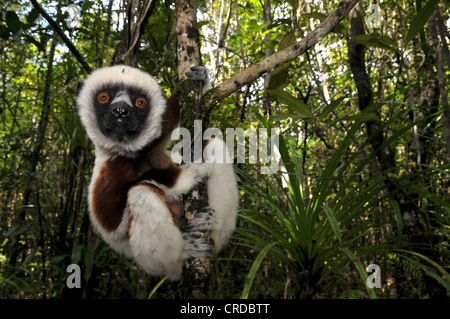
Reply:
x=141, y=102
x=103, y=97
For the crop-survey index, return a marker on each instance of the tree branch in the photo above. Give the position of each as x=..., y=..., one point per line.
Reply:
x=63, y=37
x=274, y=61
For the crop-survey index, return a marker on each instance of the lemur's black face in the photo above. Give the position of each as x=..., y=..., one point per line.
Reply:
x=121, y=112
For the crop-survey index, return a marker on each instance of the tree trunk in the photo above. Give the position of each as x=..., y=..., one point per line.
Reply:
x=357, y=60
x=196, y=270
x=136, y=19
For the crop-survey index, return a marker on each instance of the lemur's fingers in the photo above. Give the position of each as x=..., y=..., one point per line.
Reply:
x=202, y=221
x=195, y=245
x=198, y=73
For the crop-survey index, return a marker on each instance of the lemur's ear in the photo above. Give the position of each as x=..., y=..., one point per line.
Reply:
x=171, y=116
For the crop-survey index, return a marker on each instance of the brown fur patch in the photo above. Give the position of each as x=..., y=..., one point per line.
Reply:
x=171, y=116
x=166, y=176
x=110, y=192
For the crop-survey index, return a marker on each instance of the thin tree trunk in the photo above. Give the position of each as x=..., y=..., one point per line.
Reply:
x=105, y=32
x=137, y=17
x=356, y=53
x=268, y=52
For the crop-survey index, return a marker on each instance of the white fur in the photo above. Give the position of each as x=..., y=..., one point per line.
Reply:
x=156, y=244
x=122, y=96
x=223, y=194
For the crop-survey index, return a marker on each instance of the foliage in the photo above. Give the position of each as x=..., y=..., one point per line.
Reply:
x=318, y=228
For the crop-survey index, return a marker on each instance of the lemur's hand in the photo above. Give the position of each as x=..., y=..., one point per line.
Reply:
x=199, y=73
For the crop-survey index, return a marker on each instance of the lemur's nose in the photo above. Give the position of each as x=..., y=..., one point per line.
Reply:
x=120, y=110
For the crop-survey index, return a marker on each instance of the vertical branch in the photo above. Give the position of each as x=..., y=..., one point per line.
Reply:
x=221, y=35
x=106, y=32
x=268, y=52
x=137, y=17
x=188, y=45
x=196, y=270
x=188, y=53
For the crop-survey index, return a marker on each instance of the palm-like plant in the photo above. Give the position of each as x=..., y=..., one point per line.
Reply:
x=314, y=230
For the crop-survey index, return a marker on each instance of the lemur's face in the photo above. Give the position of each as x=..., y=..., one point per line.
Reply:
x=121, y=108
x=121, y=111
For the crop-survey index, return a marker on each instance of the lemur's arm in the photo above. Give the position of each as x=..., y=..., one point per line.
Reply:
x=177, y=180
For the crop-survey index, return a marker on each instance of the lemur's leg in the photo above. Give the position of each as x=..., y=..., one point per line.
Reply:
x=223, y=194
x=156, y=243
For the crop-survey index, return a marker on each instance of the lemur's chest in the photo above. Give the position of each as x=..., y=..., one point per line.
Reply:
x=113, y=178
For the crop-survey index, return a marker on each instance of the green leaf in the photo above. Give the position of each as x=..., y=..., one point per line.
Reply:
x=333, y=222
x=376, y=40
x=421, y=18
x=88, y=265
x=254, y=26
x=361, y=270
x=315, y=15
x=279, y=75
x=255, y=266
x=327, y=109
x=32, y=40
x=298, y=106
x=280, y=117
x=398, y=217
x=444, y=279
x=202, y=23
x=4, y=32
x=156, y=287
x=13, y=22
x=32, y=16
x=77, y=251
x=360, y=117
